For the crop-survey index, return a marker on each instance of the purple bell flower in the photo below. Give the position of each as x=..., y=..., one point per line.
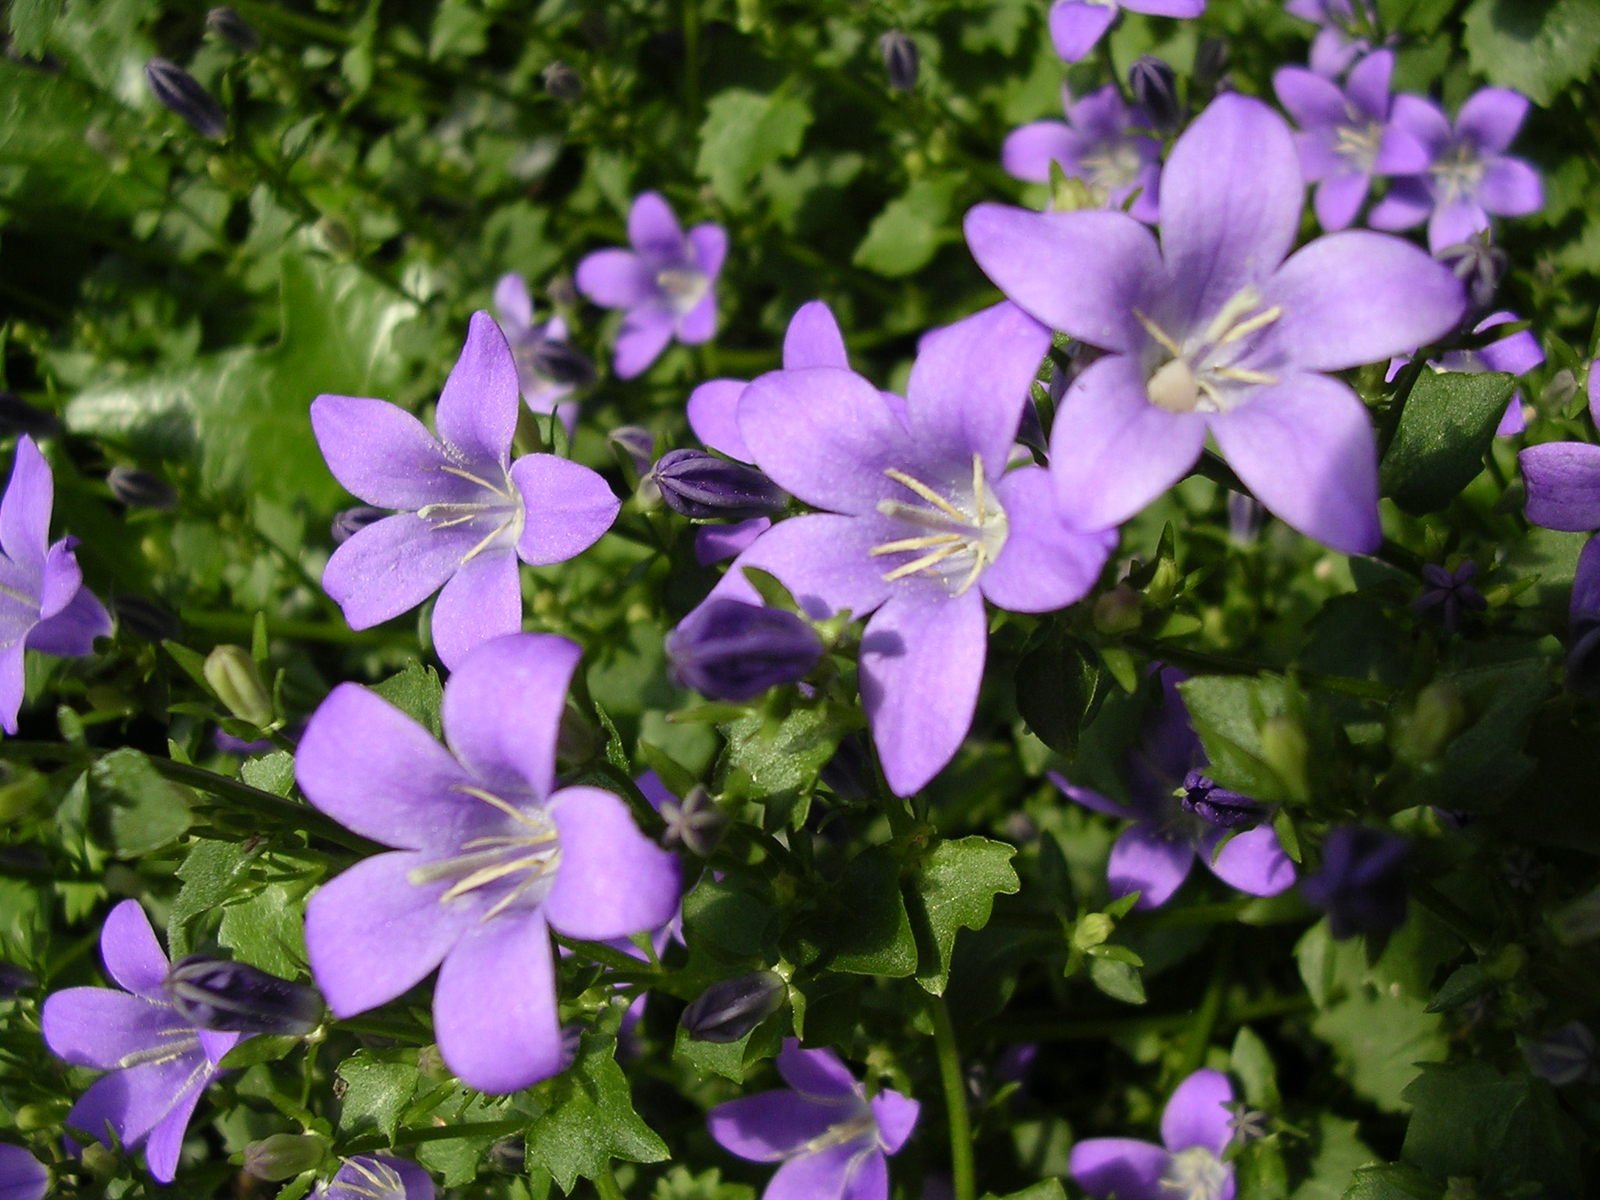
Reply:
x=22, y=1176
x=488, y=857
x=1583, y=624
x=1361, y=883
x=1179, y=814
x=378, y=1177
x=1076, y=26
x=158, y=1062
x=1450, y=593
x=1469, y=176
x=44, y=605
x=1196, y=1127
x=1103, y=142
x=666, y=283
x=832, y=1140
x=548, y=369
x=1212, y=332
x=729, y=650
x=467, y=513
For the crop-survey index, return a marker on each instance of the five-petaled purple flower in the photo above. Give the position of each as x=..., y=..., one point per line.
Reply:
x=1180, y=815
x=1076, y=26
x=467, y=512
x=921, y=522
x=1338, y=42
x=44, y=604
x=1196, y=1127
x=1104, y=142
x=378, y=1177
x=1469, y=176
x=1214, y=332
x=832, y=1140
x=667, y=283
x=548, y=369
x=22, y=1176
x=158, y=1062
x=1346, y=137
x=1450, y=593
x=1361, y=881
x=488, y=858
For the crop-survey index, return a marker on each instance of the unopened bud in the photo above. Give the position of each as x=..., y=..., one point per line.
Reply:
x=900, y=60
x=1155, y=89
x=232, y=674
x=1578, y=921
x=181, y=92
x=1437, y=716
x=1118, y=611
x=31, y=1118
x=335, y=236
x=635, y=445
x=15, y=980
x=1564, y=1055
x=351, y=521
x=560, y=363
x=1479, y=264
x=730, y=650
x=234, y=997
x=703, y=486
x=284, y=1155
x=562, y=82
x=18, y=416
x=1246, y=516
x=727, y=1011
x=140, y=489
x=1286, y=751
x=695, y=822
x=232, y=28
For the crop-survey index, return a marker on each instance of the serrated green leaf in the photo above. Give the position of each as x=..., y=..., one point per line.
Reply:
x=265, y=931
x=954, y=888
x=1392, y=1182
x=271, y=772
x=1251, y=1062
x=417, y=692
x=743, y=132
x=1537, y=47
x=210, y=874
x=865, y=923
x=134, y=809
x=1444, y=432
x=1337, y=1154
x=776, y=761
x=906, y=234
x=378, y=1086
x=590, y=1120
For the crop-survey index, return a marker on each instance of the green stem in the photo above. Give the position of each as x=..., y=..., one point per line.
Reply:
x=606, y=1184
x=258, y=804
x=955, y=1102
x=1205, y=1017
x=239, y=627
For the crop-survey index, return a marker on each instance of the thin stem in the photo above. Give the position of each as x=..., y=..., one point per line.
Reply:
x=955, y=1102
x=606, y=1184
x=255, y=803
x=1205, y=1017
x=239, y=627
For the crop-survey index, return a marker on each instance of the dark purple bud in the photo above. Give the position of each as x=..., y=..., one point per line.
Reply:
x=1015, y=1062
x=1361, y=883
x=1217, y=805
x=146, y=619
x=1155, y=89
x=1479, y=264
x=696, y=484
x=730, y=650
x=695, y=822
x=351, y=521
x=900, y=60
x=141, y=489
x=1564, y=1055
x=18, y=416
x=1245, y=518
x=562, y=82
x=232, y=28
x=559, y=362
x=727, y=1011
x=235, y=997
x=15, y=980
x=182, y=93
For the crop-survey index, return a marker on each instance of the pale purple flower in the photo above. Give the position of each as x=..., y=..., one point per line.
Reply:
x=833, y=1141
x=1469, y=176
x=1180, y=815
x=378, y=1177
x=548, y=369
x=1076, y=26
x=1104, y=142
x=487, y=858
x=467, y=513
x=666, y=283
x=1338, y=43
x=1213, y=332
x=921, y=522
x=44, y=605
x=1346, y=137
x=1196, y=1127
x=158, y=1063
x=22, y=1176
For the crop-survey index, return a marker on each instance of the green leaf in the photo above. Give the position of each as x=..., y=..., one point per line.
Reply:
x=1252, y=1062
x=259, y=1050
x=1538, y=47
x=743, y=132
x=378, y=1086
x=1117, y=979
x=1228, y=712
x=1485, y=762
x=271, y=772
x=210, y=874
x=417, y=692
x=30, y=25
x=590, y=1120
x=729, y=918
x=681, y=1184
x=776, y=761
x=1445, y=430
x=1337, y=1154
x=954, y=888
x=906, y=234
x=865, y=924
x=135, y=809
x=1056, y=689
x=1048, y=1189
x=265, y=931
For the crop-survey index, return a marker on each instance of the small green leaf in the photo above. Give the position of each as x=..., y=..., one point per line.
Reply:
x=378, y=1086
x=743, y=132
x=417, y=692
x=954, y=888
x=265, y=931
x=1047, y=1189
x=590, y=1120
x=1117, y=979
x=135, y=809
x=1537, y=47
x=866, y=924
x=1057, y=687
x=910, y=229
x=1445, y=430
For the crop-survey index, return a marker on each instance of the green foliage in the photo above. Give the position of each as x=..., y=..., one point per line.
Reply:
x=1446, y=428
x=1537, y=47
x=953, y=888
x=745, y=131
x=590, y=1120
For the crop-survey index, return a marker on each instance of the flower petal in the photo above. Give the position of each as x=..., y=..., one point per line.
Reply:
x=1519, y=353
x=502, y=710
x=71, y=631
x=1120, y=1167
x=1407, y=204
x=714, y=416
x=1044, y=564
x=819, y=1175
x=12, y=684
x=25, y=507
x=813, y=339
x=699, y=324
x=1511, y=188
x=1166, y=8
x=616, y=279
x=22, y=1176
x=1253, y=862
x=772, y=1126
x=1491, y=118
x=1076, y=26
x=1455, y=222
x=512, y=302
x=653, y=227
x=613, y=881
x=644, y=335
x=818, y=1073
x=567, y=508
x=513, y=1041
x=382, y=454
x=1563, y=482
x=165, y=1144
x=1368, y=83
x=868, y=1178
x=392, y=565
x=1338, y=199
x=714, y=543
x=480, y=602
x=1423, y=120
x=1198, y=1115
x=1028, y=151
x=823, y=558
x=1144, y=861
x=1309, y=98
x=896, y=1116
x=1092, y=799
x=710, y=245
x=130, y=952
x=132, y=1102
x=102, y=1027
x=478, y=408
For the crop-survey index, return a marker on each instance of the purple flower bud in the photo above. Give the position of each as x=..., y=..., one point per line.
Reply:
x=1245, y=518
x=727, y=1011
x=182, y=93
x=1155, y=89
x=730, y=650
x=1479, y=264
x=635, y=443
x=146, y=619
x=1361, y=884
x=900, y=60
x=233, y=29
x=235, y=997
x=351, y=521
x=140, y=489
x=558, y=362
x=1564, y=1055
x=695, y=822
x=701, y=485
x=15, y=980
x=18, y=416
x=562, y=82
x=1217, y=805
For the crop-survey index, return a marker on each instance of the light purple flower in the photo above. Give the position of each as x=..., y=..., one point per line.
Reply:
x=1212, y=332
x=1337, y=43
x=1180, y=815
x=487, y=858
x=1346, y=136
x=467, y=513
x=921, y=522
x=1076, y=26
x=1196, y=1127
x=1104, y=142
x=666, y=283
x=547, y=368
x=1563, y=483
x=832, y=1140
x=157, y=1062
x=22, y=1176
x=44, y=605
x=1583, y=624
x=378, y=1177
x=1469, y=176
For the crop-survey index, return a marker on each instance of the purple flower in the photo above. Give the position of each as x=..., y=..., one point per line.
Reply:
x=467, y=513
x=548, y=369
x=1179, y=815
x=1076, y=26
x=1213, y=332
x=1337, y=43
x=1196, y=1127
x=832, y=1140
x=1583, y=624
x=666, y=283
x=921, y=522
x=1346, y=136
x=158, y=1062
x=1563, y=482
x=378, y=1177
x=1361, y=883
x=22, y=1176
x=44, y=604
x=1450, y=592
x=1469, y=176
x=488, y=857
x=1562, y=1056
x=1100, y=143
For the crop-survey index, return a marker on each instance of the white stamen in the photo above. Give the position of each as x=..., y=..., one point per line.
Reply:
x=965, y=532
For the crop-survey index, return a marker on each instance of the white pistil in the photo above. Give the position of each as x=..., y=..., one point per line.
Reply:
x=1195, y=1174
x=12, y=594
x=519, y=861
x=979, y=533
x=684, y=286
x=838, y=1135
x=1187, y=380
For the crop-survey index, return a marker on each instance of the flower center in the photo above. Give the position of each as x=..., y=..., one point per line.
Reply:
x=1195, y=1174
x=859, y=1125
x=498, y=516
x=1203, y=374
x=1357, y=144
x=1458, y=173
x=517, y=866
x=957, y=535
x=378, y=1180
x=173, y=1043
x=683, y=287
x=1114, y=166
